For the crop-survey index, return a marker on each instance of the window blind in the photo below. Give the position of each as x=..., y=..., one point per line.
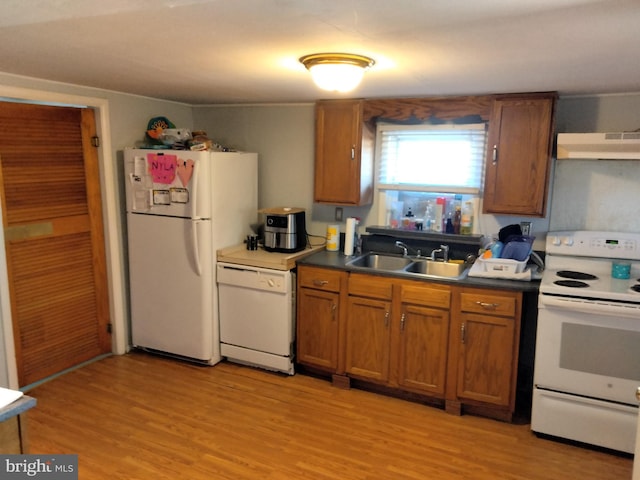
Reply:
x=431, y=158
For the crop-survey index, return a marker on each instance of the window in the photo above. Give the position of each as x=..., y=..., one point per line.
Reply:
x=427, y=171
x=431, y=158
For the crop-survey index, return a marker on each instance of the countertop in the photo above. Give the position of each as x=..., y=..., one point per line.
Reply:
x=239, y=255
x=338, y=260
x=18, y=407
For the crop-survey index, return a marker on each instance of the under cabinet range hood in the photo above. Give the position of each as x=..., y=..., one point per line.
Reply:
x=604, y=146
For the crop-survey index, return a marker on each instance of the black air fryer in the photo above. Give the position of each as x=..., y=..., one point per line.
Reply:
x=284, y=230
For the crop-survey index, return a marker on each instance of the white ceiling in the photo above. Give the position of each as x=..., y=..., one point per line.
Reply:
x=246, y=51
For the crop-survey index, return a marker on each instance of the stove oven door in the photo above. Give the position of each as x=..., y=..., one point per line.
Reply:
x=588, y=348
x=586, y=372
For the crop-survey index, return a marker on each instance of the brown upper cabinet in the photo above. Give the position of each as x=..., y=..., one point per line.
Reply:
x=344, y=154
x=518, y=149
x=518, y=159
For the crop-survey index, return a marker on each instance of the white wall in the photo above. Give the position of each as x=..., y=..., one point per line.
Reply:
x=283, y=136
x=597, y=194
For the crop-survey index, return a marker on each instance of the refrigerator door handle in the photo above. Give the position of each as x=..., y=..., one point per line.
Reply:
x=195, y=246
x=194, y=191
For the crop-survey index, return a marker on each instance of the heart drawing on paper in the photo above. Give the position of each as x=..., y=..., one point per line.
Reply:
x=185, y=170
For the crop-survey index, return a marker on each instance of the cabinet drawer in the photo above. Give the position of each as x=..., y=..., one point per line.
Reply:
x=319, y=278
x=425, y=295
x=502, y=305
x=370, y=286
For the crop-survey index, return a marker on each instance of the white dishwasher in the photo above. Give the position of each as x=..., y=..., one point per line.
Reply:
x=257, y=316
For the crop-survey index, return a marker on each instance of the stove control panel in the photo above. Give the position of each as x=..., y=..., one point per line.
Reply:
x=594, y=244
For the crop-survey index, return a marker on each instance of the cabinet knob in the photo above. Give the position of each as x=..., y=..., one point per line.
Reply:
x=353, y=153
x=402, y=322
x=334, y=309
x=638, y=393
x=320, y=283
x=462, y=333
x=495, y=154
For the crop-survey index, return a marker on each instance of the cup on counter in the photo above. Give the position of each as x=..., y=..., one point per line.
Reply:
x=252, y=242
x=333, y=238
x=621, y=270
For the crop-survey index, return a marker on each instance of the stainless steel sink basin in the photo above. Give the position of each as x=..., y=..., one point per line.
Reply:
x=438, y=269
x=410, y=266
x=381, y=262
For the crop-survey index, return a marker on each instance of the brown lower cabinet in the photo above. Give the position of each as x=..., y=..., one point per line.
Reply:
x=457, y=345
x=318, y=322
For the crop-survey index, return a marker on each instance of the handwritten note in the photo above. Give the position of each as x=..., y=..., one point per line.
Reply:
x=185, y=170
x=162, y=167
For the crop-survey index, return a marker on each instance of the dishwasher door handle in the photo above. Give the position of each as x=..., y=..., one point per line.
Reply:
x=239, y=269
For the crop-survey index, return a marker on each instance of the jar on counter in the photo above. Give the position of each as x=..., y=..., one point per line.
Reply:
x=466, y=221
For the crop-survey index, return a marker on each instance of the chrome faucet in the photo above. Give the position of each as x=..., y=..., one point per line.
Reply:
x=405, y=249
x=444, y=250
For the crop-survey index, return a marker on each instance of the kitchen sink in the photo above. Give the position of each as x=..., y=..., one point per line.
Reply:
x=381, y=262
x=438, y=269
x=410, y=266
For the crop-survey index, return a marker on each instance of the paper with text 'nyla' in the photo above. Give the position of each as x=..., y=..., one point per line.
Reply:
x=39, y=467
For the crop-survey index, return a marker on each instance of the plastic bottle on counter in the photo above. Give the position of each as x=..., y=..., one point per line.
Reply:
x=408, y=221
x=439, y=223
x=429, y=217
x=466, y=220
x=457, y=218
x=449, y=226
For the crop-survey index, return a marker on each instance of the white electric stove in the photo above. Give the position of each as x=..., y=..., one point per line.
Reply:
x=587, y=365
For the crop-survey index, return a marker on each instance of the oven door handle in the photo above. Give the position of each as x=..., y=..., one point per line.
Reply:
x=591, y=306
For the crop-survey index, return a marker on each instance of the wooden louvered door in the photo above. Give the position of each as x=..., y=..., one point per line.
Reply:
x=54, y=239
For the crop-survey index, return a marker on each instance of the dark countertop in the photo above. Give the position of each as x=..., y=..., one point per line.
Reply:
x=337, y=260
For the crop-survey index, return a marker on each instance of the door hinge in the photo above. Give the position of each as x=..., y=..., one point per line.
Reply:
x=109, y=327
x=95, y=141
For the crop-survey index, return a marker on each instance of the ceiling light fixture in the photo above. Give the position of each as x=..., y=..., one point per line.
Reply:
x=336, y=72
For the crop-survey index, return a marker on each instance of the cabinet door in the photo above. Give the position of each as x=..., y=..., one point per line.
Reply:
x=424, y=335
x=317, y=324
x=342, y=175
x=519, y=155
x=367, y=338
x=486, y=358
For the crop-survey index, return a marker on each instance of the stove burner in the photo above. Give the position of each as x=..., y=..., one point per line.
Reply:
x=576, y=275
x=571, y=283
x=636, y=288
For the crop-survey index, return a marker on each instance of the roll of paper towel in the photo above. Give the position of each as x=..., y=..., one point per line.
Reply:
x=349, y=236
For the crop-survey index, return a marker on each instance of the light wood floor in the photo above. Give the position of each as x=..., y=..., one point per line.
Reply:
x=144, y=417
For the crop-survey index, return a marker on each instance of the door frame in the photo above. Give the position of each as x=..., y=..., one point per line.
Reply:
x=113, y=240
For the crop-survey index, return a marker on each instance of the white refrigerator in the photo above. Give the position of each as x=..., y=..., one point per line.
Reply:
x=182, y=206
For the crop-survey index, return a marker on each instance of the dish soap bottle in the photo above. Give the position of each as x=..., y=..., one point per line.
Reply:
x=466, y=221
